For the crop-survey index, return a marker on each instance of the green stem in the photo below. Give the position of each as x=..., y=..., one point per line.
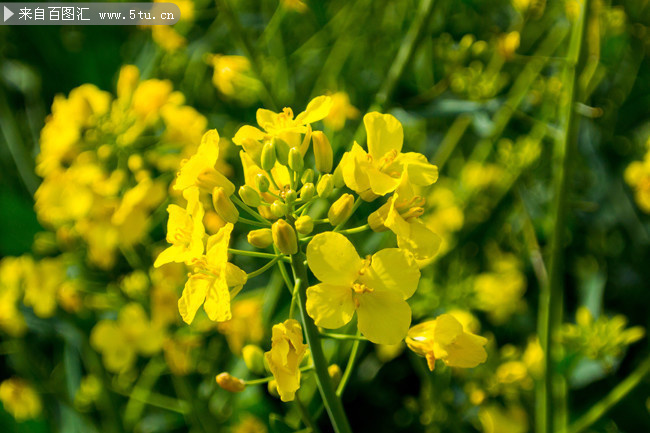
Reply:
x=247, y=208
x=359, y=229
x=333, y=336
x=257, y=254
x=254, y=223
x=306, y=417
x=349, y=367
x=330, y=399
x=611, y=399
x=551, y=391
x=264, y=268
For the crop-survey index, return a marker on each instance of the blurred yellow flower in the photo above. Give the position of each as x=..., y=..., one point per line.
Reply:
x=378, y=172
x=20, y=399
x=376, y=288
x=233, y=76
x=11, y=290
x=496, y=419
x=246, y=324
x=285, y=356
x=341, y=111
x=637, y=175
x=444, y=338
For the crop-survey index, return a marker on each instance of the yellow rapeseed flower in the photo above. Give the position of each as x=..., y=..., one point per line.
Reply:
x=376, y=288
x=20, y=399
x=285, y=356
x=340, y=112
x=444, y=338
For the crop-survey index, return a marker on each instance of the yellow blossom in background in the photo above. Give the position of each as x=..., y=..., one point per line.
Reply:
x=179, y=353
x=341, y=111
x=446, y=216
x=20, y=399
x=637, y=176
x=11, y=291
x=246, y=324
x=42, y=284
x=249, y=424
x=285, y=356
x=379, y=171
x=444, y=338
x=376, y=288
x=233, y=76
x=496, y=419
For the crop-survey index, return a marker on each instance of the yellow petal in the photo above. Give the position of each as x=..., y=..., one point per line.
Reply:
x=217, y=300
x=235, y=278
x=330, y=306
x=447, y=330
x=421, y=241
x=394, y=269
x=333, y=259
x=380, y=182
x=384, y=316
x=265, y=118
x=316, y=110
x=217, y=246
x=385, y=134
x=354, y=166
x=466, y=351
x=193, y=296
x=419, y=170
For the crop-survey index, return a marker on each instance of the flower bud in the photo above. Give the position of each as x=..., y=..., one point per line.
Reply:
x=335, y=374
x=230, y=382
x=284, y=237
x=307, y=176
x=325, y=186
x=341, y=209
x=322, y=152
x=260, y=238
x=224, y=206
x=296, y=162
x=304, y=224
x=290, y=196
x=127, y=81
x=254, y=358
x=281, y=150
x=268, y=156
x=307, y=191
x=337, y=177
x=262, y=183
x=376, y=222
x=278, y=209
x=250, y=196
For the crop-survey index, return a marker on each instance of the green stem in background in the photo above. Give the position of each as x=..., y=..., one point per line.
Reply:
x=551, y=391
x=333, y=336
x=305, y=416
x=264, y=268
x=451, y=139
x=330, y=399
x=349, y=367
x=611, y=399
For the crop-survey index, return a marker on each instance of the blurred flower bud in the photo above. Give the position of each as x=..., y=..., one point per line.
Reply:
x=304, y=224
x=335, y=374
x=296, y=162
x=268, y=156
x=250, y=196
x=135, y=162
x=341, y=209
x=230, y=383
x=254, y=358
x=307, y=176
x=224, y=206
x=322, y=152
x=278, y=209
x=290, y=196
x=262, y=183
x=307, y=192
x=127, y=81
x=284, y=237
x=325, y=186
x=260, y=238
x=281, y=150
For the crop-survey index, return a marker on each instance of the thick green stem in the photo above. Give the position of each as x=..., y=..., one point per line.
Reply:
x=551, y=391
x=330, y=399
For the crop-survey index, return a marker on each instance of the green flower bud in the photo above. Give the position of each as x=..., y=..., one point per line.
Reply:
x=224, y=206
x=268, y=156
x=304, y=225
x=281, y=150
x=296, y=162
x=254, y=358
x=337, y=177
x=307, y=192
x=284, y=237
x=250, y=196
x=290, y=196
x=307, y=176
x=325, y=186
x=341, y=209
x=322, y=152
x=260, y=238
x=278, y=209
x=262, y=182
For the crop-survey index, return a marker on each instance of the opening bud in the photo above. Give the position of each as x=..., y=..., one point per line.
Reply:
x=224, y=206
x=290, y=196
x=260, y=238
x=307, y=192
x=307, y=176
x=322, y=152
x=337, y=177
x=284, y=237
x=296, y=162
x=250, y=196
x=230, y=382
x=281, y=150
x=268, y=156
x=341, y=209
x=278, y=209
x=325, y=186
x=254, y=358
x=262, y=183
x=304, y=225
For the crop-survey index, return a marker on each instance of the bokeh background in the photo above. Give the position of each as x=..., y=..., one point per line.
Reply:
x=481, y=88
